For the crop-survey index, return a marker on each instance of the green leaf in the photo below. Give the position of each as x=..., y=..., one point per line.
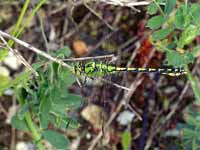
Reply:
x=44, y=120
x=45, y=107
x=126, y=140
x=3, y=54
x=169, y=6
x=181, y=19
x=188, y=57
x=66, y=77
x=63, y=52
x=62, y=104
x=189, y=133
x=188, y=35
x=192, y=121
x=196, y=51
x=194, y=13
x=72, y=123
x=19, y=124
x=161, y=34
x=73, y=100
x=22, y=78
x=23, y=110
x=4, y=83
x=174, y=59
x=56, y=139
x=194, y=86
x=61, y=121
x=59, y=108
x=70, y=100
x=152, y=9
x=155, y=22
x=38, y=65
x=20, y=93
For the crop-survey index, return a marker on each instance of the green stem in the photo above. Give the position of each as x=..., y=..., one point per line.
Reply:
x=193, y=84
x=43, y=34
x=29, y=19
x=47, y=47
x=19, y=21
x=160, y=9
x=186, y=4
x=35, y=133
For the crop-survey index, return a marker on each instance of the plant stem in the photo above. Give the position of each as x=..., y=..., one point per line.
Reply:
x=186, y=4
x=35, y=133
x=160, y=9
x=19, y=21
x=193, y=84
x=29, y=19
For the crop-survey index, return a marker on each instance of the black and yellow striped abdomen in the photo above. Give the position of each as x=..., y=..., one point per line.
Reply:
x=167, y=70
x=100, y=69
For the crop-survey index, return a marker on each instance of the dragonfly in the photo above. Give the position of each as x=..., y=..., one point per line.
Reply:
x=96, y=67
x=99, y=69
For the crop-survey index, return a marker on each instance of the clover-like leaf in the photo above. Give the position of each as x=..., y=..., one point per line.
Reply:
x=152, y=8
x=169, y=6
x=156, y=22
x=56, y=139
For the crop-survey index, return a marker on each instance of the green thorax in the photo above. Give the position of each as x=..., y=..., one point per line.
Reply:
x=94, y=69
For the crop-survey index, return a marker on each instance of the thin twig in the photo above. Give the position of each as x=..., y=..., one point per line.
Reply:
x=56, y=10
x=125, y=3
x=89, y=58
x=125, y=44
x=3, y=110
x=122, y=3
x=115, y=84
x=98, y=16
x=108, y=36
x=19, y=56
x=83, y=21
x=39, y=52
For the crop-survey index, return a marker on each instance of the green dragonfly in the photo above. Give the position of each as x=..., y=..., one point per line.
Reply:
x=92, y=68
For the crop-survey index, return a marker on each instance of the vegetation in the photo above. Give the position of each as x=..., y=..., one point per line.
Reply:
x=51, y=97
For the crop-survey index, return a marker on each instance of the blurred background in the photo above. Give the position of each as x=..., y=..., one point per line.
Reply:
x=124, y=111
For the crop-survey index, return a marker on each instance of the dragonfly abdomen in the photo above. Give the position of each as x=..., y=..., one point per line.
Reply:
x=168, y=71
x=101, y=69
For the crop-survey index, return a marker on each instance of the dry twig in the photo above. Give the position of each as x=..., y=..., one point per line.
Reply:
x=19, y=56
x=89, y=58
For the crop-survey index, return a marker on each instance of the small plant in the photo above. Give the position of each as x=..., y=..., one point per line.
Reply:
x=19, y=28
x=47, y=100
x=190, y=130
x=126, y=139
x=175, y=30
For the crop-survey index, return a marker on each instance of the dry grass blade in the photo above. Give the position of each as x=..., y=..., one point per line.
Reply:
x=126, y=3
x=19, y=56
x=89, y=58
